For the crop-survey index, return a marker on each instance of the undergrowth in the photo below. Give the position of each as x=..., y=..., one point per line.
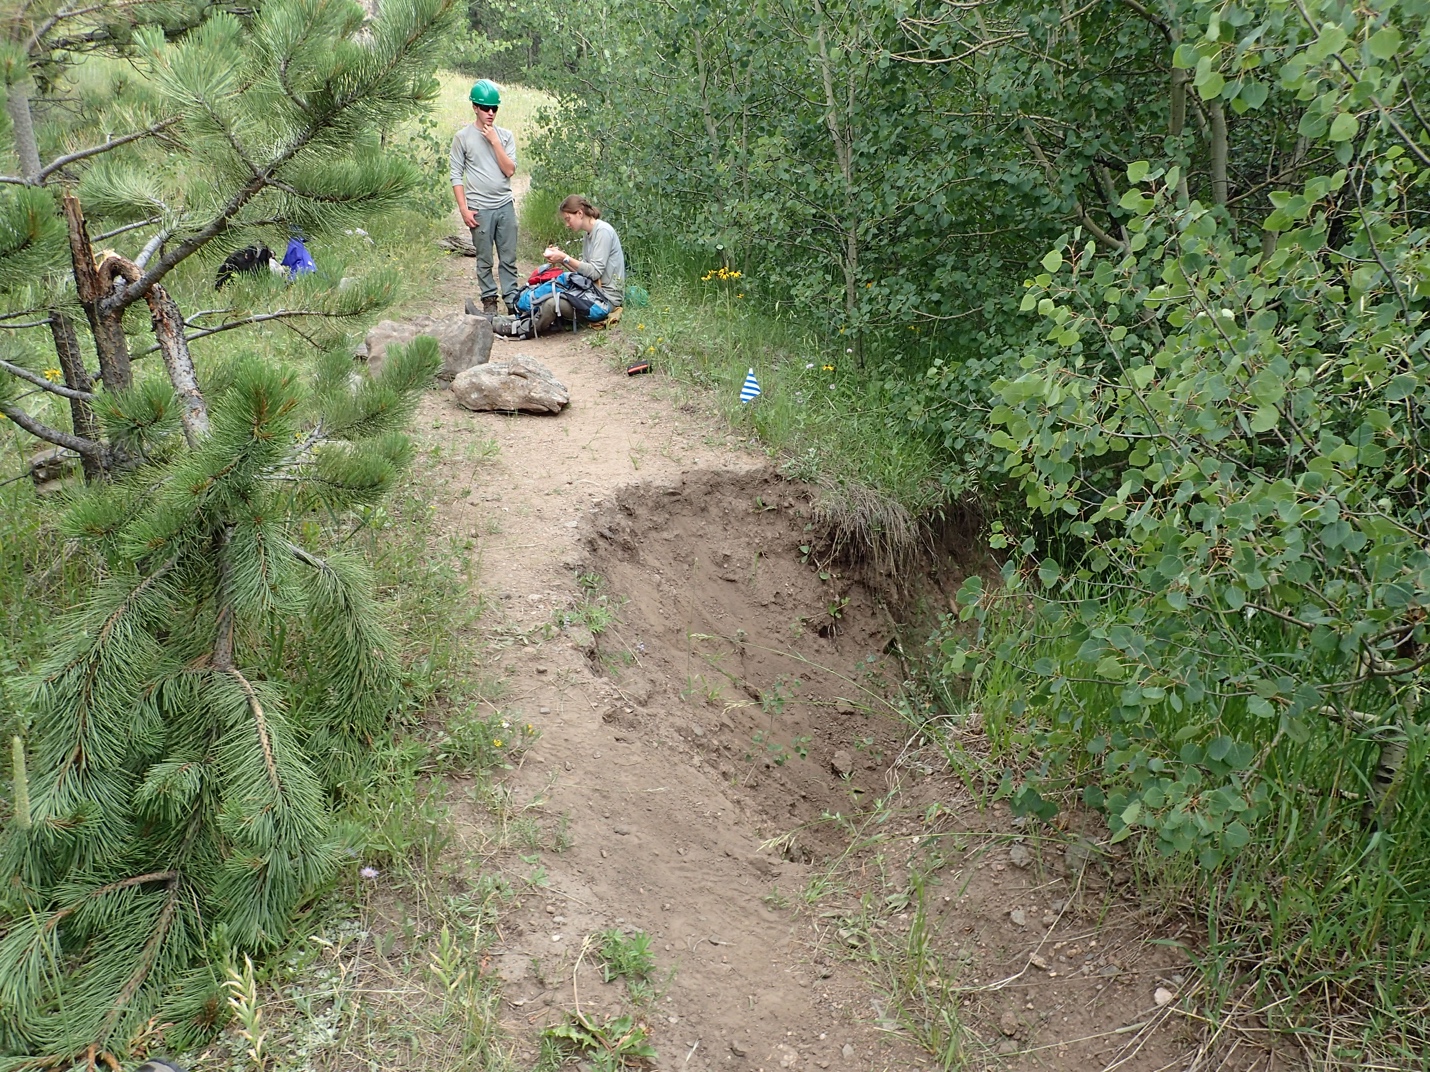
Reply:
x=1313, y=914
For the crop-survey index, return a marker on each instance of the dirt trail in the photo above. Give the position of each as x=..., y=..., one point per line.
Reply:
x=656, y=843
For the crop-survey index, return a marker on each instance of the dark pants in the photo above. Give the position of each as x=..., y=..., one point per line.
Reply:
x=496, y=227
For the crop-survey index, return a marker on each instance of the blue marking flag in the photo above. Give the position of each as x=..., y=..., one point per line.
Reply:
x=751, y=390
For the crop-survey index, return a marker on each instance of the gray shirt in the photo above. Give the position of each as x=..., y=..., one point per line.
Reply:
x=475, y=168
x=603, y=260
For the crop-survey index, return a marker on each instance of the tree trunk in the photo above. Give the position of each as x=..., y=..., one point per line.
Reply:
x=76, y=377
x=169, y=332
x=841, y=137
x=1180, y=80
x=1218, y=151
x=17, y=105
x=109, y=341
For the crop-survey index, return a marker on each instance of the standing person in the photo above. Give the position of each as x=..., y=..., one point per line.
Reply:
x=483, y=162
x=601, y=256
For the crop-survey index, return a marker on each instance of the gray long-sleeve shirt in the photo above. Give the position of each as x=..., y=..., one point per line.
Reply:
x=603, y=260
x=475, y=167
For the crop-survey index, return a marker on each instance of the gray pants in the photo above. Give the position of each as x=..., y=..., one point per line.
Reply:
x=496, y=226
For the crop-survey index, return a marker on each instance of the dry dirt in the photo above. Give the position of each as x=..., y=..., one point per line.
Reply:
x=725, y=772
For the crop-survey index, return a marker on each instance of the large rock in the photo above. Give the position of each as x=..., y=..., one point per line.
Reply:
x=521, y=384
x=465, y=341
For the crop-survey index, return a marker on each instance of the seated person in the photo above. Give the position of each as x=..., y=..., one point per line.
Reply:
x=601, y=256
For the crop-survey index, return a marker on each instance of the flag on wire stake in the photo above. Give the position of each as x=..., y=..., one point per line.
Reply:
x=751, y=390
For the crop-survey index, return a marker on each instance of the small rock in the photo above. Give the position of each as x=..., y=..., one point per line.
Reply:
x=737, y=1049
x=1038, y=962
x=847, y=1051
x=1162, y=996
x=1079, y=853
x=1020, y=855
x=620, y=829
x=543, y=710
x=1049, y=919
x=788, y=1057
x=1019, y=917
x=1112, y=971
x=1008, y=1024
x=842, y=764
x=541, y=669
x=1007, y=1048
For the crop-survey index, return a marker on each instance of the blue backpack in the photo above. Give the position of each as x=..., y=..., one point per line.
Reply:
x=585, y=299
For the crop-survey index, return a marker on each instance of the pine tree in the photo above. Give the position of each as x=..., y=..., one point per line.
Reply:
x=175, y=767
x=176, y=775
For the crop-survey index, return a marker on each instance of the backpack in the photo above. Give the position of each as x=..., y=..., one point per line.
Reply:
x=575, y=296
x=586, y=297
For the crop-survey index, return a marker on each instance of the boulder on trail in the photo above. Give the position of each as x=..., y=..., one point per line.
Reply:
x=522, y=384
x=465, y=341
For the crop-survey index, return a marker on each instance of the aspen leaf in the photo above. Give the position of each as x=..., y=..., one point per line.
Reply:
x=1344, y=127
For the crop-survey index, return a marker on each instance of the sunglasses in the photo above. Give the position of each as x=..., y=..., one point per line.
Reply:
x=486, y=108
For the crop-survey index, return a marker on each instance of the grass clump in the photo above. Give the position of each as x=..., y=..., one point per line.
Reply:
x=625, y=955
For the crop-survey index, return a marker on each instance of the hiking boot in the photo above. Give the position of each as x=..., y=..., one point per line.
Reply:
x=489, y=306
x=472, y=308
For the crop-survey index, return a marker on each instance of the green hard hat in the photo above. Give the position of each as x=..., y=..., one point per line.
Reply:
x=486, y=92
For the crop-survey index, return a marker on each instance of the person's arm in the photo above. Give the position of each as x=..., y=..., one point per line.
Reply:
x=598, y=255
x=459, y=190
x=506, y=161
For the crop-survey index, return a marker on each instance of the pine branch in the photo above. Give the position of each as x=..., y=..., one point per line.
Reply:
x=51, y=435
x=170, y=877
x=39, y=381
x=265, y=739
x=91, y=656
x=127, y=227
x=76, y=12
x=152, y=246
x=146, y=961
x=112, y=143
x=256, y=318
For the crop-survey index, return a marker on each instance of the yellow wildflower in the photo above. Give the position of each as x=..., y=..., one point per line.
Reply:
x=640, y=327
x=828, y=368
x=497, y=743
x=739, y=295
x=54, y=375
